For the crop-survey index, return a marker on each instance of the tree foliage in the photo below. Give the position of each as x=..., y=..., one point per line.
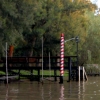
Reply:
x=92, y=42
x=23, y=23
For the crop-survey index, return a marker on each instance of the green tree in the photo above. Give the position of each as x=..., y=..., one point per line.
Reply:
x=92, y=42
x=24, y=22
x=15, y=16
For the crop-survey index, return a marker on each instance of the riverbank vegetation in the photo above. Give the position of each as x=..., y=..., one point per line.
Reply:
x=23, y=23
x=48, y=73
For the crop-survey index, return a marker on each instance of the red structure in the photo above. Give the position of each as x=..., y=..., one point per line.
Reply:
x=11, y=50
x=61, y=58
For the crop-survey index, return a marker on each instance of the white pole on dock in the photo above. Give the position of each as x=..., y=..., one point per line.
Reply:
x=79, y=73
x=49, y=65
x=6, y=65
x=83, y=73
x=42, y=59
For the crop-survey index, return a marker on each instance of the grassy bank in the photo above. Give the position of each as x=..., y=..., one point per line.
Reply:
x=45, y=72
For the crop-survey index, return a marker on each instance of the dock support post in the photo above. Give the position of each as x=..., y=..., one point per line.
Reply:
x=19, y=74
x=61, y=80
x=31, y=75
x=79, y=73
x=70, y=69
x=83, y=73
x=55, y=74
x=38, y=75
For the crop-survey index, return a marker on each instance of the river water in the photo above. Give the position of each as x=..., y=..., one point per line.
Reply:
x=49, y=90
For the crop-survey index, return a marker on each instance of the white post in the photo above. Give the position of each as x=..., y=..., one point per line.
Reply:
x=83, y=73
x=49, y=65
x=42, y=59
x=79, y=73
x=6, y=65
x=86, y=78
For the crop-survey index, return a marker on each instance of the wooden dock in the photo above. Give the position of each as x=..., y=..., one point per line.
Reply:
x=35, y=63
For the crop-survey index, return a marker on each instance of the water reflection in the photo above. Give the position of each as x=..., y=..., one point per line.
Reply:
x=76, y=90
x=6, y=97
x=46, y=91
x=62, y=93
x=79, y=90
x=50, y=96
x=51, y=90
x=42, y=94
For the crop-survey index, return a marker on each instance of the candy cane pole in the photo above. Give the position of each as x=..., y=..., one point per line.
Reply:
x=61, y=58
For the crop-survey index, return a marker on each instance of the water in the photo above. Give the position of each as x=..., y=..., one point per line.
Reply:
x=26, y=90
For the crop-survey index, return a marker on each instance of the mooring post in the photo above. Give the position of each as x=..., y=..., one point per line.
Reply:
x=55, y=75
x=61, y=58
x=69, y=67
x=19, y=74
x=38, y=75
x=83, y=73
x=79, y=70
x=31, y=75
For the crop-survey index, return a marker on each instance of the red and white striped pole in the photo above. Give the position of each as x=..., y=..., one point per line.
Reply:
x=61, y=58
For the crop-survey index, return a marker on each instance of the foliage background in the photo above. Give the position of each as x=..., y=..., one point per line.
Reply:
x=23, y=23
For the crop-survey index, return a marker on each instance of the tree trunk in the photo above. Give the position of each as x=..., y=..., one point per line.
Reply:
x=32, y=43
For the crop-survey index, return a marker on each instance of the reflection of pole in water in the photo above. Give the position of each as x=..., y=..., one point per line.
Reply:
x=83, y=89
x=61, y=93
x=49, y=93
x=6, y=97
x=42, y=94
x=79, y=90
x=50, y=96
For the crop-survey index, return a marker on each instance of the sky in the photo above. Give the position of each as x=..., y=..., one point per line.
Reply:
x=97, y=2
